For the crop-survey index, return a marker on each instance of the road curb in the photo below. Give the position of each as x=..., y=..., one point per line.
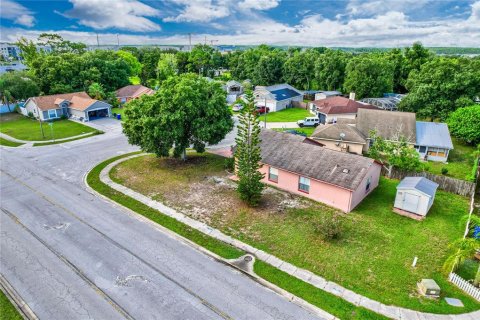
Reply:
x=285, y=294
x=17, y=301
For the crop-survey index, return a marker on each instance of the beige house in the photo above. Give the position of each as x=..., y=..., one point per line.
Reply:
x=277, y=97
x=78, y=105
x=340, y=137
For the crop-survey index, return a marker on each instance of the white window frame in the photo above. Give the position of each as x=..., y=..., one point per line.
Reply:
x=304, y=184
x=273, y=174
x=50, y=116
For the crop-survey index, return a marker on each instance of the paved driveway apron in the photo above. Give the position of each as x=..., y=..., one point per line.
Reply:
x=71, y=255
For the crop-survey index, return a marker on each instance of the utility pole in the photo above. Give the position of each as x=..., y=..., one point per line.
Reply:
x=190, y=41
x=205, y=40
x=41, y=124
x=98, y=42
x=118, y=42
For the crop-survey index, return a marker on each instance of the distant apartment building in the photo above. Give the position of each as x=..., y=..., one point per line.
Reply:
x=11, y=51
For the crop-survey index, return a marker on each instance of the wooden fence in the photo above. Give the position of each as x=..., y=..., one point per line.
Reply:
x=300, y=104
x=457, y=186
x=464, y=285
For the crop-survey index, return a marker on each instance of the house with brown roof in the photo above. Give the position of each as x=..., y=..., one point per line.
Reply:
x=295, y=164
x=341, y=137
x=78, y=105
x=130, y=92
x=330, y=109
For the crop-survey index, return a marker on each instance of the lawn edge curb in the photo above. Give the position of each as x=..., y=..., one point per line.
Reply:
x=285, y=294
x=20, y=305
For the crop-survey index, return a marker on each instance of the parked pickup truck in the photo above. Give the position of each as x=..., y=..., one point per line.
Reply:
x=308, y=122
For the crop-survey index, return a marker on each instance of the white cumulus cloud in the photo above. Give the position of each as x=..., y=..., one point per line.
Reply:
x=17, y=13
x=121, y=14
x=258, y=4
x=200, y=11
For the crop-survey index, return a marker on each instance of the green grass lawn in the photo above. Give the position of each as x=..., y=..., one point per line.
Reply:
x=287, y=115
x=23, y=128
x=307, y=130
x=373, y=256
x=468, y=269
x=8, y=143
x=7, y=310
x=315, y=296
x=460, y=161
x=120, y=111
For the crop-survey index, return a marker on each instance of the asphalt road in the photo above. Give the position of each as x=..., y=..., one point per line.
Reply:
x=72, y=255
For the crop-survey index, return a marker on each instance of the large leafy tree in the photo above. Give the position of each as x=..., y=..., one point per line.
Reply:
x=166, y=67
x=464, y=123
x=297, y=69
x=394, y=154
x=187, y=111
x=203, y=59
x=400, y=72
x=248, y=156
x=441, y=86
x=18, y=85
x=60, y=45
x=148, y=57
x=415, y=57
x=132, y=61
x=269, y=69
x=330, y=69
x=369, y=76
x=96, y=91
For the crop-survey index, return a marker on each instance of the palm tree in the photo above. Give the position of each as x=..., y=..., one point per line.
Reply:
x=463, y=249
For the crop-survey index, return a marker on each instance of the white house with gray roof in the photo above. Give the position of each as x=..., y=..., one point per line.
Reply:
x=277, y=97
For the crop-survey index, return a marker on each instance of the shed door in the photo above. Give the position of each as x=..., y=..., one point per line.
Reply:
x=410, y=202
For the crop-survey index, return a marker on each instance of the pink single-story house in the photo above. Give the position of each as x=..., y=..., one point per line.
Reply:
x=131, y=92
x=302, y=166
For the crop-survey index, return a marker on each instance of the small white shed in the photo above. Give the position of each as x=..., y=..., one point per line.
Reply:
x=415, y=195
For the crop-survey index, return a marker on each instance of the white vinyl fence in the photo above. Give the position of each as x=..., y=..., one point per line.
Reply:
x=464, y=285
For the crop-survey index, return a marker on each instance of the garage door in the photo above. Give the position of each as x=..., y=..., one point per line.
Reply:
x=410, y=202
x=99, y=113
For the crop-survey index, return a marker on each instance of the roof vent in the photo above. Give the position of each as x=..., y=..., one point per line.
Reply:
x=345, y=171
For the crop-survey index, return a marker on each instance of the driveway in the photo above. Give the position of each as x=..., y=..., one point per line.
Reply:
x=105, y=124
x=72, y=255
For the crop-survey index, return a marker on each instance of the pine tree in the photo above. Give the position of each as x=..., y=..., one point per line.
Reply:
x=247, y=155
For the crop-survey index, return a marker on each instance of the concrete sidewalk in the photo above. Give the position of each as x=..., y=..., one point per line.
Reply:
x=279, y=125
x=7, y=137
x=393, y=312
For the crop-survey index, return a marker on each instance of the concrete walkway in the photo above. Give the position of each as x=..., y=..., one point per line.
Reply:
x=393, y=312
x=279, y=125
x=31, y=142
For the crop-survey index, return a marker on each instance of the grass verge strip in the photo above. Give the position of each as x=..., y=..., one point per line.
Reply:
x=216, y=246
x=41, y=144
x=7, y=310
x=8, y=143
x=324, y=300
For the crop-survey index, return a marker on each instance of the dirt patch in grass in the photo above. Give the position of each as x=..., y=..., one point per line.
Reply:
x=372, y=256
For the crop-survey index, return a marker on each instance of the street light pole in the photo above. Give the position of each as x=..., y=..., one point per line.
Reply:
x=265, y=112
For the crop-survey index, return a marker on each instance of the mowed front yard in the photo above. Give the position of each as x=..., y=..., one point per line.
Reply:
x=373, y=256
x=286, y=115
x=23, y=128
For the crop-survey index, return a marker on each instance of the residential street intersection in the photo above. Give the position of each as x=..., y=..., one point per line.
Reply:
x=71, y=255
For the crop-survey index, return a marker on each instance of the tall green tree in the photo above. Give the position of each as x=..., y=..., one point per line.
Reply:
x=400, y=72
x=60, y=45
x=96, y=91
x=248, y=155
x=166, y=67
x=369, y=75
x=442, y=85
x=187, y=111
x=28, y=50
x=18, y=85
x=148, y=57
x=298, y=69
x=203, y=59
x=464, y=123
x=415, y=57
x=394, y=154
x=132, y=61
x=330, y=69
x=269, y=69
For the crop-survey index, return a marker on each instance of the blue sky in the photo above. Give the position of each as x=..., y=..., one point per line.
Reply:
x=350, y=23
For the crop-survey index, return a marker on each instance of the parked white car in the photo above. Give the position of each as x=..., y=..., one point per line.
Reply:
x=237, y=107
x=308, y=122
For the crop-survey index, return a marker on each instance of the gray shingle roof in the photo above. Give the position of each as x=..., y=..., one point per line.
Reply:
x=421, y=184
x=289, y=152
x=333, y=131
x=388, y=124
x=433, y=134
